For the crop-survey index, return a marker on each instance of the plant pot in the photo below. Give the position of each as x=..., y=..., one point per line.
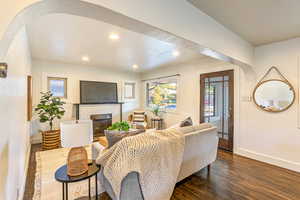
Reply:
x=51, y=139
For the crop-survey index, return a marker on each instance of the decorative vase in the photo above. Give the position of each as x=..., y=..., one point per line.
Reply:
x=77, y=163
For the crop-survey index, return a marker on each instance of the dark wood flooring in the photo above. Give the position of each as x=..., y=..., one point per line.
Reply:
x=231, y=178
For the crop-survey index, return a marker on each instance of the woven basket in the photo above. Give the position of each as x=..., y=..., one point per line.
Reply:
x=51, y=139
x=77, y=161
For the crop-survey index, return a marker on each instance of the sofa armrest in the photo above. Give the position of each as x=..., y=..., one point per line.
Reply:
x=96, y=149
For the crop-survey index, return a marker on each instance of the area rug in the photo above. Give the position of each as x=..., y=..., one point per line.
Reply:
x=46, y=187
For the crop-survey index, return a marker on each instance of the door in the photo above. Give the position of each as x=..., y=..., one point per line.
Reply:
x=216, y=104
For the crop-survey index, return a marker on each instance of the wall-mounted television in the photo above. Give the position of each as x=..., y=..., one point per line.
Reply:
x=92, y=92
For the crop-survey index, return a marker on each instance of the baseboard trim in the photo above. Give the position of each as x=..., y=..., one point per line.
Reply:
x=294, y=166
x=22, y=188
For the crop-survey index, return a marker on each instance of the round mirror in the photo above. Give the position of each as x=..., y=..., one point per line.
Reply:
x=274, y=95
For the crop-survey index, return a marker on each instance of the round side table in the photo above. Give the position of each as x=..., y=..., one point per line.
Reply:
x=62, y=176
x=157, y=123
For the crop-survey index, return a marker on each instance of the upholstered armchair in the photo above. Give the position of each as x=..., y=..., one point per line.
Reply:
x=138, y=119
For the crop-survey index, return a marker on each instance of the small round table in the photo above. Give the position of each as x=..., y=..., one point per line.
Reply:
x=62, y=176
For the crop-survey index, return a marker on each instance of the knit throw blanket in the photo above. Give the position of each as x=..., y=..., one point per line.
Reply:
x=156, y=156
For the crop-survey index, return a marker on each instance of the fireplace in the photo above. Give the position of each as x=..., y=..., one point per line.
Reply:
x=100, y=123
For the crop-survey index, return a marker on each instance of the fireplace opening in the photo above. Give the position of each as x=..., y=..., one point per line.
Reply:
x=100, y=123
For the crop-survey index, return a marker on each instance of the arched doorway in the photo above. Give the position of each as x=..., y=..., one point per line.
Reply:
x=85, y=9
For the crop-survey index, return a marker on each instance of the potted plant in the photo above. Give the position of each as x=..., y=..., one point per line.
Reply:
x=119, y=126
x=49, y=109
x=157, y=110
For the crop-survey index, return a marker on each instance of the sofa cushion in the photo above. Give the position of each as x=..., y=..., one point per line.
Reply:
x=187, y=122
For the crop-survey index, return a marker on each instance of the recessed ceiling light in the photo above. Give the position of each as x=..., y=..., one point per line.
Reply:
x=176, y=53
x=114, y=36
x=135, y=66
x=85, y=58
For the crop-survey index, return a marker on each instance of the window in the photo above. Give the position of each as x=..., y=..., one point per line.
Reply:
x=162, y=93
x=58, y=86
x=129, y=90
x=210, y=101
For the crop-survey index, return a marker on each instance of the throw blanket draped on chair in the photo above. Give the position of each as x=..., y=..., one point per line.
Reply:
x=156, y=156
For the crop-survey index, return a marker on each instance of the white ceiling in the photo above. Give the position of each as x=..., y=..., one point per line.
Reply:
x=257, y=21
x=66, y=38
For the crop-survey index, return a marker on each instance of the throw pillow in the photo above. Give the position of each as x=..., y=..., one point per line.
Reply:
x=187, y=122
x=115, y=136
x=138, y=116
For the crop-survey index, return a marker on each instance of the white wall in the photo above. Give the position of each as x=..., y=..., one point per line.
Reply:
x=14, y=143
x=274, y=137
x=74, y=73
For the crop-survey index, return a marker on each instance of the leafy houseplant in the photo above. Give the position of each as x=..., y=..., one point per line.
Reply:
x=50, y=108
x=157, y=110
x=119, y=126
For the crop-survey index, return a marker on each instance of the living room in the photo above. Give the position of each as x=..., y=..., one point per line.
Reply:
x=171, y=69
x=122, y=62
x=122, y=77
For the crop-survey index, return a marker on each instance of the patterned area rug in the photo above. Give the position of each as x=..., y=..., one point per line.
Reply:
x=46, y=187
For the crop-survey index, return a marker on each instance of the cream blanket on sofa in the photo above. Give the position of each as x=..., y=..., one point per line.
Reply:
x=156, y=156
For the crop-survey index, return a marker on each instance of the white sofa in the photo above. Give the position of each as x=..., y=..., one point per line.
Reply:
x=200, y=151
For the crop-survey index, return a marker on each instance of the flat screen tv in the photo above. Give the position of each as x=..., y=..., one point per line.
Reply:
x=92, y=92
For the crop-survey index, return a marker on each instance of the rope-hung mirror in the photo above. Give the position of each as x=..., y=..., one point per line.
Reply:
x=274, y=95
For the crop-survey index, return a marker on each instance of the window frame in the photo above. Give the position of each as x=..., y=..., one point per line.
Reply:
x=51, y=78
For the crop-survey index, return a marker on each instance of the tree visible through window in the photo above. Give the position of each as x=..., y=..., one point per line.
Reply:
x=162, y=93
